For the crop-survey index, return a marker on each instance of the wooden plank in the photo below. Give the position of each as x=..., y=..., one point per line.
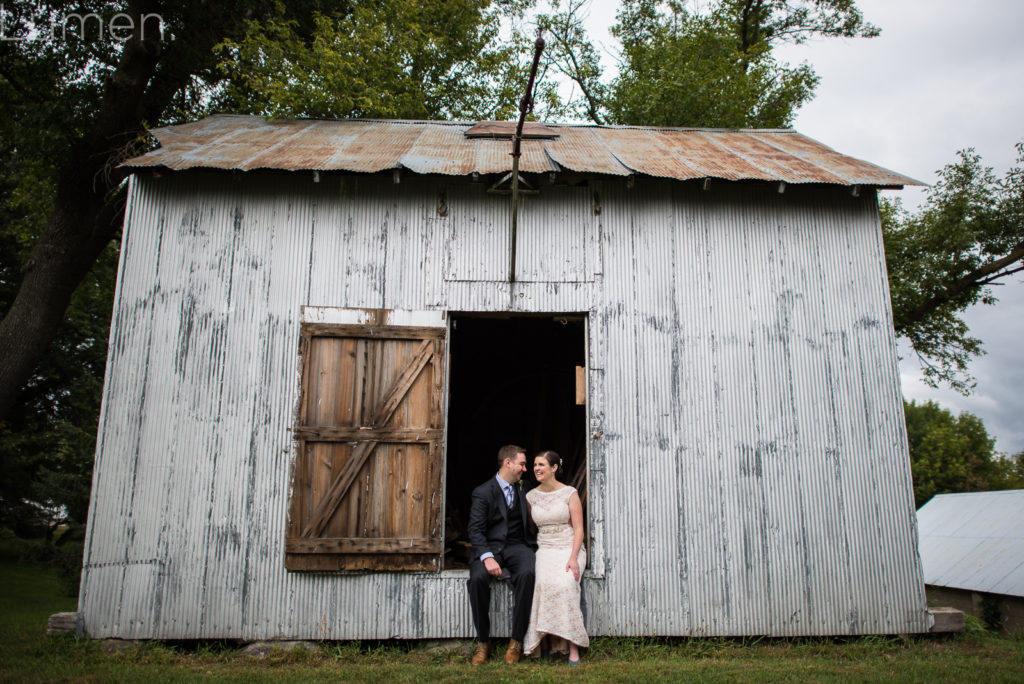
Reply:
x=382, y=374
x=408, y=376
x=349, y=515
x=304, y=364
x=393, y=491
x=340, y=454
x=330, y=380
x=311, y=381
x=362, y=545
x=300, y=491
x=330, y=502
x=360, y=365
x=372, y=482
x=417, y=401
x=398, y=355
x=437, y=389
x=344, y=399
x=581, y=386
x=330, y=372
x=433, y=491
x=321, y=473
x=369, y=388
x=405, y=562
x=385, y=332
x=392, y=435
x=415, y=505
x=434, y=484
x=415, y=510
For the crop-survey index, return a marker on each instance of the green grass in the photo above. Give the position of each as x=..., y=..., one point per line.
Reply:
x=29, y=596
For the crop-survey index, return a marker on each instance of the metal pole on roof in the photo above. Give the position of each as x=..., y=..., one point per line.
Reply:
x=525, y=107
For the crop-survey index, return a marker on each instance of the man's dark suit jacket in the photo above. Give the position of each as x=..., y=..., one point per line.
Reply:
x=488, y=519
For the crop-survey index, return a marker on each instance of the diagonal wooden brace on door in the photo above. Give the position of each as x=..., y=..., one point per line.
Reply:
x=339, y=488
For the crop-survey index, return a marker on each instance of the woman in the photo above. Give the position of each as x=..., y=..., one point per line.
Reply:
x=556, y=510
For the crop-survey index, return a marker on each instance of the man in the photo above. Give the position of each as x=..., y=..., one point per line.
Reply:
x=502, y=542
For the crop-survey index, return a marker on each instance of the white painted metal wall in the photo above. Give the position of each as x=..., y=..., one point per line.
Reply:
x=748, y=471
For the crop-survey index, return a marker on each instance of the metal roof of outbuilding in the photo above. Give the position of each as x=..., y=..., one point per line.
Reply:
x=235, y=142
x=974, y=541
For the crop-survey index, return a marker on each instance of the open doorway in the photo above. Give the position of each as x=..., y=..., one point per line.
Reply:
x=513, y=379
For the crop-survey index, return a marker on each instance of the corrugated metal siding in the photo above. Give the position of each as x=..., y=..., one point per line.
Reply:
x=739, y=401
x=749, y=472
x=974, y=541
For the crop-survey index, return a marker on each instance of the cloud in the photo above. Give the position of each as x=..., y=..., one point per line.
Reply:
x=999, y=396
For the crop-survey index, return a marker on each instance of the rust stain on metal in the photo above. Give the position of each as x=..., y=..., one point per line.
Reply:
x=581, y=149
x=442, y=150
x=775, y=162
x=461, y=149
x=506, y=129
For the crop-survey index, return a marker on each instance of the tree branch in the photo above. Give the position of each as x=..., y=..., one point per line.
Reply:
x=572, y=69
x=592, y=102
x=1000, y=276
x=977, y=278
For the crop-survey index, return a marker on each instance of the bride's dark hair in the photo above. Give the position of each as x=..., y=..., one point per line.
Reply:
x=553, y=459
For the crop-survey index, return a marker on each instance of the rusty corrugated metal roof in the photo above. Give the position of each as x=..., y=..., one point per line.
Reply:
x=507, y=129
x=435, y=147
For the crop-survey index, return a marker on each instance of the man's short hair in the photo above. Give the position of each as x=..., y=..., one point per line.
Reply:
x=509, y=451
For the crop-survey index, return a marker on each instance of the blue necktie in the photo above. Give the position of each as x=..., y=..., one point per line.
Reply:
x=508, y=496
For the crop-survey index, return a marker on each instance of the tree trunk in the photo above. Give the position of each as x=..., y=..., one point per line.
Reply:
x=87, y=212
x=89, y=205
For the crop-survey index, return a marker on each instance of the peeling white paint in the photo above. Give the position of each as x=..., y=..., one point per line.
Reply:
x=748, y=465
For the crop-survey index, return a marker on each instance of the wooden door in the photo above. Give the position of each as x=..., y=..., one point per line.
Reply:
x=366, y=492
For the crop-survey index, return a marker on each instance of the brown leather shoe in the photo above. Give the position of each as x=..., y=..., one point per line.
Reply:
x=480, y=653
x=514, y=652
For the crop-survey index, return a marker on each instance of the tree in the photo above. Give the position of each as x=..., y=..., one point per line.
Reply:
x=1011, y=472
x=49, y=440
x=691, y=70
x=954, y=454
x=79, y=100
x=94, y=94
x=79, y=105
x=967, y=237
x=713, y=68
x=774, y=21
x=570, y=53
x=52, y=84
x=431, y=59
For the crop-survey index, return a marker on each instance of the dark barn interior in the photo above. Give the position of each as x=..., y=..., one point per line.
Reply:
x=513, y=380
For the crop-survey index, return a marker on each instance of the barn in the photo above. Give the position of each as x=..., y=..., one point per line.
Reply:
x=972, y=553
x=324, y=330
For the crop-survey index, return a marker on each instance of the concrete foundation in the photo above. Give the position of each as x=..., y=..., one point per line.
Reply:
x=998, y=611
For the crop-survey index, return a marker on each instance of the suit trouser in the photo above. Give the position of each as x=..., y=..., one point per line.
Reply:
x=519, y=560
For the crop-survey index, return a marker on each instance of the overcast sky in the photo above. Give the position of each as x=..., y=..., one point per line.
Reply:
x=943, y=76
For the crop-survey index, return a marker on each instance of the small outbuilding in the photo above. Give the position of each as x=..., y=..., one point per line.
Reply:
x=324, y=330
x=972, y=551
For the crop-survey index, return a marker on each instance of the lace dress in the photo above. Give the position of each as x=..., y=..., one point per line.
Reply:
x=556, y=594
